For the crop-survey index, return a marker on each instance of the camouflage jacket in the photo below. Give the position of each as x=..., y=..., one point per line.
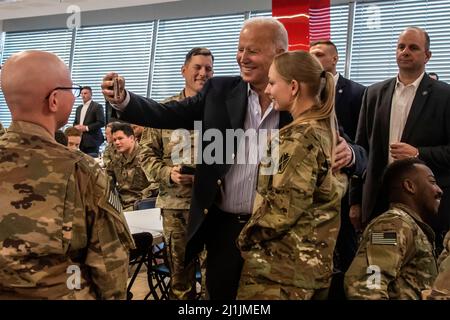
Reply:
x=291, y=235
x=109, y=154
x=441, y=287
x=157, y=164
x=60, y=222
x=2, y=130
x=395, y=259
x=130, y=179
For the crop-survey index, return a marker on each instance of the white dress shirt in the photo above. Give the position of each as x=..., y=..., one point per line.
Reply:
x=83, y=111
x=401, y=105
x=239, y=187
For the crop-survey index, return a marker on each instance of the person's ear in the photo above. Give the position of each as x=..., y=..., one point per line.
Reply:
x=335, y=59
x=183, y=70
x=427, y=56
x=279, y=50
x=295, y=88
x=409, y=186
x=53, y=102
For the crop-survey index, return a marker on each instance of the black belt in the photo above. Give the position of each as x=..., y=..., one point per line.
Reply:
x=240, y=217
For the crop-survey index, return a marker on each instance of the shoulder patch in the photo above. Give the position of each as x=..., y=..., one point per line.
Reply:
x=384, y=238
x=114, y=200
x=284, y=160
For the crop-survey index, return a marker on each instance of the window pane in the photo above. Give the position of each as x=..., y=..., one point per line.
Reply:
x=176, y=37
x=124, y=49
x=56, y=41
x=377, y=27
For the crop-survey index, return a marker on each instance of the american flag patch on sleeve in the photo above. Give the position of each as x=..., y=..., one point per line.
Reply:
x=386, y=238
x=114, y=200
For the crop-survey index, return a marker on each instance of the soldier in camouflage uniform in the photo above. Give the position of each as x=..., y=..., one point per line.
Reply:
x=63, y=233
x=2, y=130
x=441, y=287
x=288, y=243
x=395, y=259
x=110, y=151
x=174, y=187
x=125, y=169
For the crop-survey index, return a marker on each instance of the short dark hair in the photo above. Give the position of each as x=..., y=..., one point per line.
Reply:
x=110, y=124
x=72, y=132
x=86, y=88
x=61, y=138
x=124, y=127
x=396, y=172
x=326, y=42
x=197, y=51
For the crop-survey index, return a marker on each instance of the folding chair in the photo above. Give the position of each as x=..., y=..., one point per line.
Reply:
x=148, y=203
x=160, y=275
x=141, y=255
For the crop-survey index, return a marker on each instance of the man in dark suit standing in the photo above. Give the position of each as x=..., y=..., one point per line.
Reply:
x=224, y=189
x=406, y=116
x=89, y=119
x=348, y=93
x=348, y=100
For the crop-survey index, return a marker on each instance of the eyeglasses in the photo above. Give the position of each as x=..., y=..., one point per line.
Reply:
x=76, y=90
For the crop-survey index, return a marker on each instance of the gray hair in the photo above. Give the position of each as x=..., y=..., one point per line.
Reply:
x=280, y=32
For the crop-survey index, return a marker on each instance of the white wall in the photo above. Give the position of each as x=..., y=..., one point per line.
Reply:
x=178, y=9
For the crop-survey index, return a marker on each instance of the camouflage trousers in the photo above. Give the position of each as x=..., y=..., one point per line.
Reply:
x=252, y=288
x=182, y=284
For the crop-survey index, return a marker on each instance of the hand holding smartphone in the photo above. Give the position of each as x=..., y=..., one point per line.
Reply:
x=187, y=170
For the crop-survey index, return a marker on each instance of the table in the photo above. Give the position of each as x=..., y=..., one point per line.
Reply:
x=148, y=220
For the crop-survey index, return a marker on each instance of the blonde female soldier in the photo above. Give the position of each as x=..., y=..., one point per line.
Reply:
x=289, y=241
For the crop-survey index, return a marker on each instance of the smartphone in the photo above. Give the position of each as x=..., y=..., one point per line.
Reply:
x=187, y=170
x=116, y=88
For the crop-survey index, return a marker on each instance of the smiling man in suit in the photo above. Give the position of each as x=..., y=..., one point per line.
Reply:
x=89, y=119
x=223, y=194
x=403, y=117
x=224, y=190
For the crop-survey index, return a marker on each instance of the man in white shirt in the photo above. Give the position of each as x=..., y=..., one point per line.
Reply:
x=224, y=190
x=403, y=117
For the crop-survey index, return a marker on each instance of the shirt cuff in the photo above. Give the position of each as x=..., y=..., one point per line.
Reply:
x=124, y=103
x=352, y=163
x=87, y=128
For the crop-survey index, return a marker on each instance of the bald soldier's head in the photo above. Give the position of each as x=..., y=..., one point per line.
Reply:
x=29, y=81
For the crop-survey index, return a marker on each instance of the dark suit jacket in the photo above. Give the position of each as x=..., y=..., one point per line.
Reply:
x=95, y=120
x=348, y=104
x=222, y=104
x=427, y=128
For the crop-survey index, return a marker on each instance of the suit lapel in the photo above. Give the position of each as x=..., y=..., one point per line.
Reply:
x=340, y=87
x=386, y=94
x=421, y=97
x=89, y=110
x=237, y=105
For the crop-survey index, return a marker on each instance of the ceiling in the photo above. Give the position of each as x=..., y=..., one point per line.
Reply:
x=12, y=9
